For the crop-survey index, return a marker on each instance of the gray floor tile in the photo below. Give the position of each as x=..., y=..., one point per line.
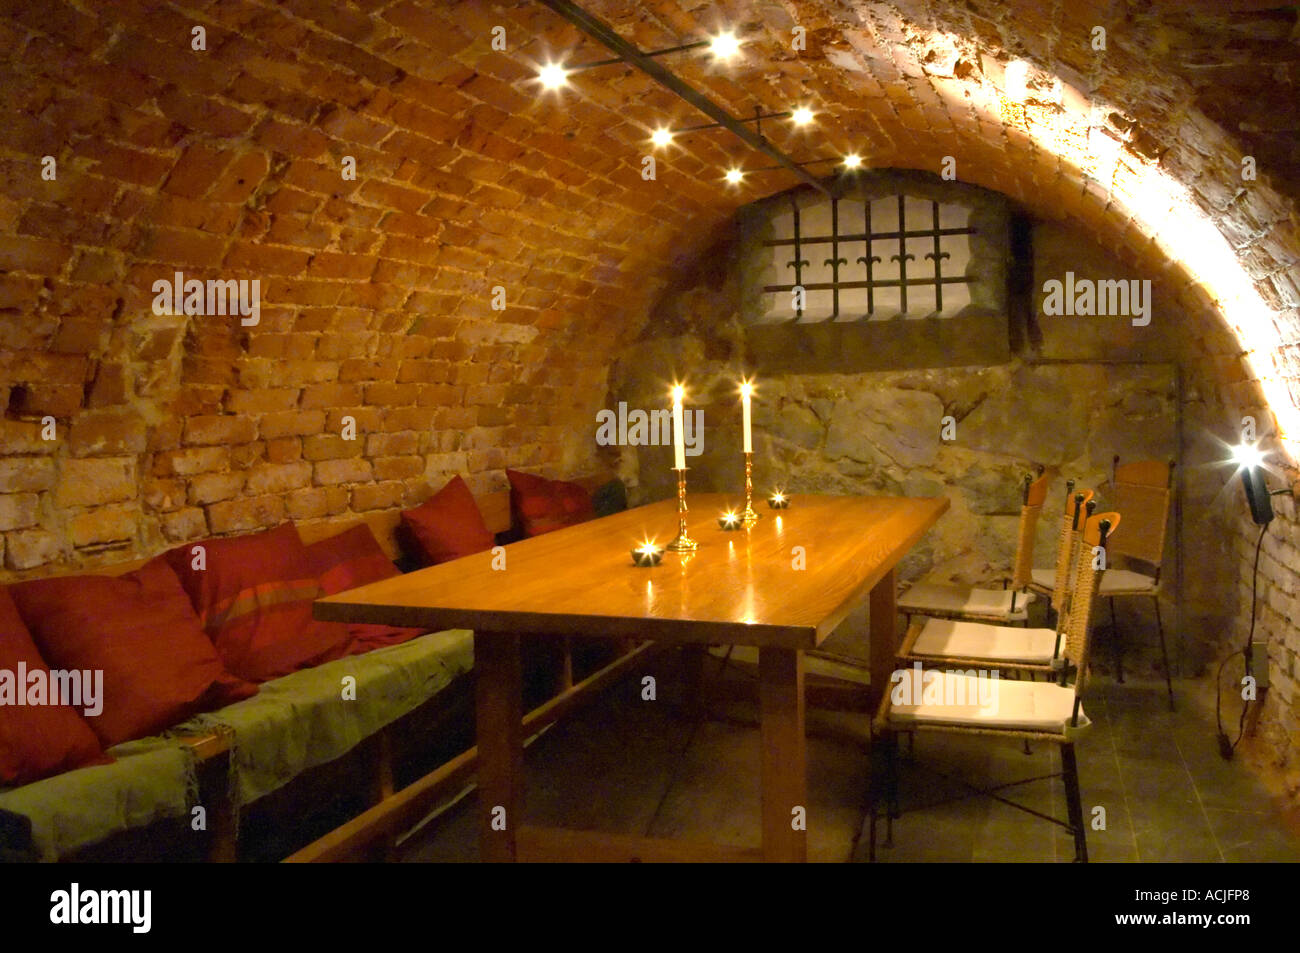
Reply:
x=1245, y=835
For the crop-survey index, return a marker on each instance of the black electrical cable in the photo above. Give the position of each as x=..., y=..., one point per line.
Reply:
x=1226, y=747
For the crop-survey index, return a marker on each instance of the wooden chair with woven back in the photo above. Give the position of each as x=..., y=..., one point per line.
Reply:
x=1050, y=712
x=1143, y=492
x=1008, y=604
x=1055, y=582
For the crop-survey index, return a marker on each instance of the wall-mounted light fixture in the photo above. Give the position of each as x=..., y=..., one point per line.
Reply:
x=1250, y=461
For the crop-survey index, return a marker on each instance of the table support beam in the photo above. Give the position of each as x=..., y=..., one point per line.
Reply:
x=883, y=607
x=692, y=659
x=780, y=678
x=498, y=690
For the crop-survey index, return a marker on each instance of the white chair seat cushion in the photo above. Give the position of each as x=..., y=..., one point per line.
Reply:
x=964, y=600
x=1044, y=577
x=948, y=638
x=950, y=698
x=1114, y=581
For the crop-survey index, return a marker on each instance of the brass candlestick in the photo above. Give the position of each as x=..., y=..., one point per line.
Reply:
x=749, y=516
x=683, y=543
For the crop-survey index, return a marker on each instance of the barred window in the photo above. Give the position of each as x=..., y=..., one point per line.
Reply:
x=867, y=259
x=898, y=269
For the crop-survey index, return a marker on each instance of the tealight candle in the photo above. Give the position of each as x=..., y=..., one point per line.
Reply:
x=778, y=501
x=730, y=520
x=647, y=554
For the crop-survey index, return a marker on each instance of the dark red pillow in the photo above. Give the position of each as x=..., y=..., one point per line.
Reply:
x=36, y=740
x=448, y=525
x=140, y=630
x=540, y=505
x=254, y=599
x=350, y=559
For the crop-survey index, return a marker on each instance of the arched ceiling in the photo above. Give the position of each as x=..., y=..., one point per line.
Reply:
x=225, y=162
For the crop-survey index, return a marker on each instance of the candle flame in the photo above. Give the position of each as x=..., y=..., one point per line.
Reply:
x=746, y=388
x=678, y=393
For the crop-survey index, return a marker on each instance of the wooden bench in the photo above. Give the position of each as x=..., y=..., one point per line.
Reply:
x=378, y=751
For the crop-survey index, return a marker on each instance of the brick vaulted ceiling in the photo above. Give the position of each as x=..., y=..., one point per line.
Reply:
x=376, y=293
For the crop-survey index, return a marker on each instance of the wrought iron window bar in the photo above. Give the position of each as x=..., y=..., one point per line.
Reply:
x=936, y=280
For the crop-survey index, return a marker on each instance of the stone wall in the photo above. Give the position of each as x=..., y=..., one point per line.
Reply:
x=1080, y=394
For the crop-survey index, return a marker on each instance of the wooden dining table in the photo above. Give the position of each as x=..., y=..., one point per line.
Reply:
x=782, y=584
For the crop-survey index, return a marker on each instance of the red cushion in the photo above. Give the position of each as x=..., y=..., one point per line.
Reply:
x=140, y=630
x=448, y=525
x=254, y=600
x=350, y=559
x=541, y=506
x=36, y=740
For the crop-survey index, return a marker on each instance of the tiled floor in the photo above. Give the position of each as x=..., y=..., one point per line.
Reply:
x=632, y=766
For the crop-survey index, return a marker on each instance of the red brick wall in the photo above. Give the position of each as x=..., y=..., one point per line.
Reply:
x=376, y=294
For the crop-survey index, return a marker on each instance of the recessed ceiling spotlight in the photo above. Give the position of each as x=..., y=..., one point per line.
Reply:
x=734, y=176
x=724, y=46
x=852, y=160
x=553, y=76
x=661, y=137
x=801, y=116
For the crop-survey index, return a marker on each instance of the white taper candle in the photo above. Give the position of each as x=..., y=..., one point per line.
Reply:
x=679, y=449
x=746, y=388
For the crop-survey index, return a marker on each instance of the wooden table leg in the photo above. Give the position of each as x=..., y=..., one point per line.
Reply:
x=693, y=658
x=498, y=687
x=566, y=665
x=780, y=688
x=883, y=604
